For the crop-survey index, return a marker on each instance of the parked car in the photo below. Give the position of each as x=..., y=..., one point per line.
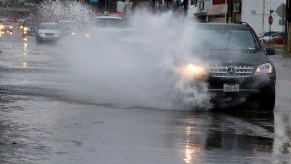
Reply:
x=266, y=36
x=29, y=27
x=48, y=32
x=237, y=69
x=278, y=38
x=266, y=39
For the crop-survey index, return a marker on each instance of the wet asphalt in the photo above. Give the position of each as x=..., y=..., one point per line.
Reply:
x=38, y=124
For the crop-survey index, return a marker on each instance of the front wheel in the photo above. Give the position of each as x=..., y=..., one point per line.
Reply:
x=267, y=100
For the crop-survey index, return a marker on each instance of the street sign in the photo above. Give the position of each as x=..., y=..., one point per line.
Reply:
x=94, y=1
x=281, y=22
x=270, y=20
x=281, y=10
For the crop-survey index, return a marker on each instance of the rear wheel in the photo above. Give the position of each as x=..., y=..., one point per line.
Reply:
x=267, y=100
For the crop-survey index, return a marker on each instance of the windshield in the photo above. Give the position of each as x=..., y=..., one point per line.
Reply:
x=48, y=26
x=110, y=22
x=225, y=39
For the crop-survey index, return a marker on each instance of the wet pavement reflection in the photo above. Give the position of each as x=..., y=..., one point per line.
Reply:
x=37, y=130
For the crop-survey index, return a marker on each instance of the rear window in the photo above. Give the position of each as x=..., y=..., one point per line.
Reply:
x=32, y=22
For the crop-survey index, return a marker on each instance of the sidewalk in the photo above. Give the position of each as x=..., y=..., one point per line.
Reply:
x=280, y=51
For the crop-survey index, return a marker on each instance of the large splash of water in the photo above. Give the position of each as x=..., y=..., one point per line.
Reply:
x=133, y=66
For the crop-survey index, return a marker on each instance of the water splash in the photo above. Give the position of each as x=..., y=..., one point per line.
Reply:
x=135, y=66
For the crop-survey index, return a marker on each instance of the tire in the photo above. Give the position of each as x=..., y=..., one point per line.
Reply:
x=267, y=100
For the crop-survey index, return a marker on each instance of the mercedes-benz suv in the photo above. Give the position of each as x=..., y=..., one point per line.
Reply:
x=234, y=65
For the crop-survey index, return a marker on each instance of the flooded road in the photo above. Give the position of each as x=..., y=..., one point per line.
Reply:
x=39, y=124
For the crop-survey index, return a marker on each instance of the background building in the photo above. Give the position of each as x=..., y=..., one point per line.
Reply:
x=256, y=13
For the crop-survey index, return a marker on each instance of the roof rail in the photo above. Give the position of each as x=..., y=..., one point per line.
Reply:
x=245, y=23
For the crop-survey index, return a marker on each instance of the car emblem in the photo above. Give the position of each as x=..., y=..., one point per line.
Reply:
x=231, y=71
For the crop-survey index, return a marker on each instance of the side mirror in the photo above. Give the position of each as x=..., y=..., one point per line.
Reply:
x=270, y=51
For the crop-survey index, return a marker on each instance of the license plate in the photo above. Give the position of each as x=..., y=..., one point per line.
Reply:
x=230, y=87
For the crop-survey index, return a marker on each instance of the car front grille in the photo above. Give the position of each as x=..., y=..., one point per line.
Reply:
x=49, y=34
x=231, y=71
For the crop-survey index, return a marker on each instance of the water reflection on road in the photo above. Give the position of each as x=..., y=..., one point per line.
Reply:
x=34, y=130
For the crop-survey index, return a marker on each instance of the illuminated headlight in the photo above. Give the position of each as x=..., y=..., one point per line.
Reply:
x=264, y=69
x=21, y=27
x=1, y=27
x=73, y=33
x=11, y=27
x=25, y=28
x=193, y=71
x=87, y=35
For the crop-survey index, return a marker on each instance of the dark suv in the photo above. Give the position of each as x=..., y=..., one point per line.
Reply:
x=29, y=27
x=238, y=68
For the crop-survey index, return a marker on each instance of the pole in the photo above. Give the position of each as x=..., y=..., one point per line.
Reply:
x=263, y=20
x=225, y=14
x=185, y=8
x=286, y=40
x=230, y=11
x=270, y=23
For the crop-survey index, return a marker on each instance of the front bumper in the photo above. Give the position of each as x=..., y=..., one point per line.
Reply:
x=48, y=38
x=249, y=88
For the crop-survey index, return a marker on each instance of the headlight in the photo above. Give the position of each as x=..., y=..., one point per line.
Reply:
x=87, y=35
x=193, y=71
x=11, y=27
x=264, y=69
x=73, y=33
x=1, y=27
x=25, y=28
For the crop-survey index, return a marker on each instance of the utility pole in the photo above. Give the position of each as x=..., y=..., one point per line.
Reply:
x=263, y=20
x=186, y=8
x=271, y=11
x=229, y=11
x=225, y=14
x=287, y=16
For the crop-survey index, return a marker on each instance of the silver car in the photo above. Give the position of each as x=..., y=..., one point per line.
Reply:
x=48, y=32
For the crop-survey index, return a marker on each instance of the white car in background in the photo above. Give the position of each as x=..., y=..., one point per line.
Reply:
x=48, y=32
